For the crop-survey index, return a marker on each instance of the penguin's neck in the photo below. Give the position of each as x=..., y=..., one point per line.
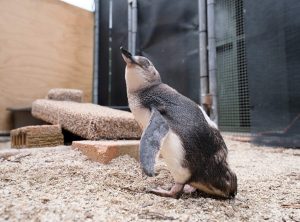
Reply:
x=141, y=114
x=134, y=81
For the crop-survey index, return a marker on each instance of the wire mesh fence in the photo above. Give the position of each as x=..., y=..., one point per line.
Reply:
x=232, y=79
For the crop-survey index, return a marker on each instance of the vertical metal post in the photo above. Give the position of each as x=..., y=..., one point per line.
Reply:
x=203, y=52
x=129, y=25
x=132, y=25
x=110, y=27
x=212, y=63
x=96, y=52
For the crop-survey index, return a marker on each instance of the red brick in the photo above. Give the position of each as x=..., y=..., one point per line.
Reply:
x=106, y=150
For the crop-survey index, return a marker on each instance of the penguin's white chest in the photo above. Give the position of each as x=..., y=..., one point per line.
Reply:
x=174, y=155
x=142, y=116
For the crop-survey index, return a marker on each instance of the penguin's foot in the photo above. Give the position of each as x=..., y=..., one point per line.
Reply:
x=189, y=189
x=175, y=191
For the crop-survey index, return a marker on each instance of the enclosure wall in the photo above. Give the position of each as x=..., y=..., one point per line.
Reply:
x=43, y=44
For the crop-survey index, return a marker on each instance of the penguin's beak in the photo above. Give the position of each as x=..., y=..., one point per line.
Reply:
x=125, y=53
x=127, y=56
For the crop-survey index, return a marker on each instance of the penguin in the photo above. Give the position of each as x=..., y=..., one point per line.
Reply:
x=180, y=131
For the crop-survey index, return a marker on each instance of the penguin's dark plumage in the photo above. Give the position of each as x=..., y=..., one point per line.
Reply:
x=179, y=129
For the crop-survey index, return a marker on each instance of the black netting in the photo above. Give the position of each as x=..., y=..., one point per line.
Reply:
x=168, y=35
x=232, y=76
x=258, y=54
x=272, y=30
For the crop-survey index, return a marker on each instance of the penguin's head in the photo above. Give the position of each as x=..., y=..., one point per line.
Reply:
x=140, y=72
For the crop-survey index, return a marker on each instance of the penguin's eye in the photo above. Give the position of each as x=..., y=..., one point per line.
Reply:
x=145, y=63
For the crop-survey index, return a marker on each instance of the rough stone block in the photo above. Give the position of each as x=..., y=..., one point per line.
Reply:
x=88, y=120
x=74, y=95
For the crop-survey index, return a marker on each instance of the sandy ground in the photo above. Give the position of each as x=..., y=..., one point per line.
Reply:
x=60, y=184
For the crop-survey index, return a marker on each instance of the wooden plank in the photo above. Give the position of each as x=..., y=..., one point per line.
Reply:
x=44, y=44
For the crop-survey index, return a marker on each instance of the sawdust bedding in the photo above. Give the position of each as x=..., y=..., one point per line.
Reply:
x=62, y=185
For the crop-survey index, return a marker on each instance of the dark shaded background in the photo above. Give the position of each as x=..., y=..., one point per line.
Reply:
x=273, y=59
x=167, y=35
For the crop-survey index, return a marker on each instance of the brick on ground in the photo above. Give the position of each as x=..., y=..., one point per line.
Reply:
x=37, y=136
x=106, y=150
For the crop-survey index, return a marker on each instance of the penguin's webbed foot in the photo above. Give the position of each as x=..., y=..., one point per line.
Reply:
x=188, y=189
x=175, y=191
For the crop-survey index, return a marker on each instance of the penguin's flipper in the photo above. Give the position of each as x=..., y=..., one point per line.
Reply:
x=151, y=141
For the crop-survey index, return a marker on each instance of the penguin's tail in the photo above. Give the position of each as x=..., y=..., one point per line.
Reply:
x=233, y=185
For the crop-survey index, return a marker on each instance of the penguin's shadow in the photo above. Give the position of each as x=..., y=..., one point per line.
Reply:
x=199, y=194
